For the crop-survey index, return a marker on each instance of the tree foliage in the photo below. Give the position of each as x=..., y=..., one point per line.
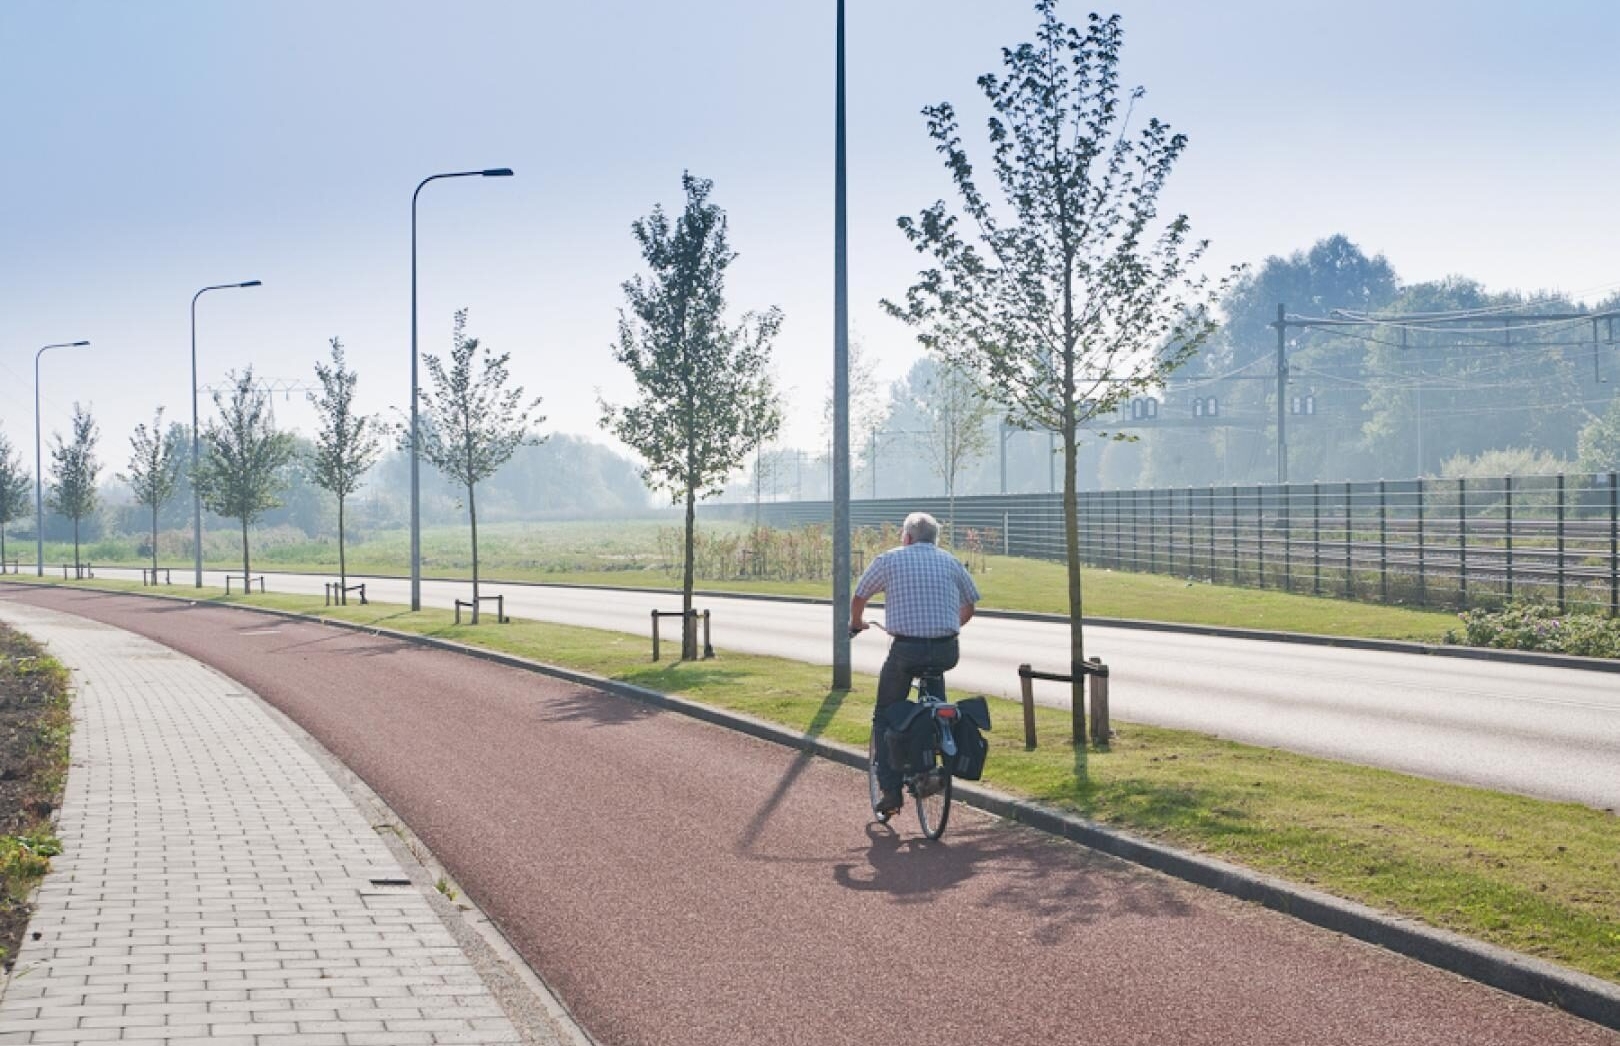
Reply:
x=14, y=483
x=154, y=469
x=346, y=444
x=1068, y=294
x=1444, y=391
x=951, y=412
x=240, y=475
x=1599, y=442
x=474, y=422
x=705, y=397
x=75, y=468
x=1237, y=366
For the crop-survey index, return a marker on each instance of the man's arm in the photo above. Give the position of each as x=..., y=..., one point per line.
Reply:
x=970, y=594
x=857, y=607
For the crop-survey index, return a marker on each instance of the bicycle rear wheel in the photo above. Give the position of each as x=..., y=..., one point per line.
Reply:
x=934, y=805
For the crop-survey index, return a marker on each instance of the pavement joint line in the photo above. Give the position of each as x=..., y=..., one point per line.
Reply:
x=1579, y=994
x=1388, y=646
x=258, y=959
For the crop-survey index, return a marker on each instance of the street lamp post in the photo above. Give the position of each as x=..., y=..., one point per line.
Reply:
x=841, y=673
x=196, y=446
x=416, y=471
x=39, y=475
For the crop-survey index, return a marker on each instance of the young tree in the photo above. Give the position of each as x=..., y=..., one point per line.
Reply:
x=75, y=467
x=474, y=422
x=1069, y=295
x=240, y=475
x=952, y=408
x=706, y=398
x=154, y=471
x=347, y=443
x=867, y=412
x=1599, y=441
x=14, y=483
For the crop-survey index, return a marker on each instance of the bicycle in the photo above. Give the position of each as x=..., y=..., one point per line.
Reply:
x=930, y=785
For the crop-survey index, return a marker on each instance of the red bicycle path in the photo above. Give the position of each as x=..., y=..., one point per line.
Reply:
x=678, y=883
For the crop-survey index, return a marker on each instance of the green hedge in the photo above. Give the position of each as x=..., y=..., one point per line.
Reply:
x=1539, y=626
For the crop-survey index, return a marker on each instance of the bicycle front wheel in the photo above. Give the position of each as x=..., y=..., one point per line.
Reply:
x=934, y=805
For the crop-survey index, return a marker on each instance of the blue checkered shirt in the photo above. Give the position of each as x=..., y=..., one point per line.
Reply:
x=924, y=589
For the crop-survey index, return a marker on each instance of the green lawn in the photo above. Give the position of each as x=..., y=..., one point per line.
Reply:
x=1538, y=877
x=627, y=553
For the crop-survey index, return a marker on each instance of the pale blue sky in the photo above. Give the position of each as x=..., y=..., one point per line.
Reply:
x=155, y=147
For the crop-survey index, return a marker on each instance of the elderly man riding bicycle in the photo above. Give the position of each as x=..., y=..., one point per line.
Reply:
x=928, y=597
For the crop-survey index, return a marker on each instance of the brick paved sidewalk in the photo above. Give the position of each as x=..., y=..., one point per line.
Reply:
x=217, y=886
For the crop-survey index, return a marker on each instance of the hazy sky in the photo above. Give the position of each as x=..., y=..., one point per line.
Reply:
x=154, y=147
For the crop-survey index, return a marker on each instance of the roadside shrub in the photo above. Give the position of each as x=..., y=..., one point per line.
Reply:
x=1539, y=626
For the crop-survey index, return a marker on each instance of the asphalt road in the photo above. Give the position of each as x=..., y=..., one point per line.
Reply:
x=680, y=884
x=1547, y=732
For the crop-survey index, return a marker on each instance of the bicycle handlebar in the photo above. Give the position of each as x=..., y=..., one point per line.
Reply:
x=853, y=632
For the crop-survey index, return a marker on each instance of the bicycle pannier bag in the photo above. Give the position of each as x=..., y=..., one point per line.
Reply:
x=971, y=750
x=976, y=709
x=911, y=737
x=971, y=747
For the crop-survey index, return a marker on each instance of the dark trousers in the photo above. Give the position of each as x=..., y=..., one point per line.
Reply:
x=907, y=659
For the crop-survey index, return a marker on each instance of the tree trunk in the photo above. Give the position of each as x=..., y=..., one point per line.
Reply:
x=1071, y=547
x=343, y=573
x=76, y=546
x=247, y=586
x=688, y=623
x=154, y=543
x=472, y=515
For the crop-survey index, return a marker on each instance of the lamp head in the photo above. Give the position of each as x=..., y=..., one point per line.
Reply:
x=250, y=283
x=79, y=343
x=498, y=172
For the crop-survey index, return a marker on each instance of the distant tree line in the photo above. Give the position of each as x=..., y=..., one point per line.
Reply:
x=1384, y=404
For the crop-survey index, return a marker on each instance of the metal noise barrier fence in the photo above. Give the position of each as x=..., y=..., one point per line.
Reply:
x=1454, y=543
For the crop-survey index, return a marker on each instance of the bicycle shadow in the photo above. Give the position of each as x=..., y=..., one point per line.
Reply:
x=1060, y=887
x=908, y=868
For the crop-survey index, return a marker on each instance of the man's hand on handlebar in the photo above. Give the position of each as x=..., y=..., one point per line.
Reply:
x=857, y=627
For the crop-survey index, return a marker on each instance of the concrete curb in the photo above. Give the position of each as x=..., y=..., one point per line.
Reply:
x=1576, y=993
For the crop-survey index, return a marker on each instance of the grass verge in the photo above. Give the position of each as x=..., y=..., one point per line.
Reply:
x=35, y=725
x=1011, y=583
x=1537, y=877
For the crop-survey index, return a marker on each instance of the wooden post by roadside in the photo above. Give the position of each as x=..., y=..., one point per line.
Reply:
x=1100, y=729
x=655, y=634
x=1027, y=686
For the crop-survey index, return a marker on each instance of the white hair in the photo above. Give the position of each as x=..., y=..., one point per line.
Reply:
x=920, y=526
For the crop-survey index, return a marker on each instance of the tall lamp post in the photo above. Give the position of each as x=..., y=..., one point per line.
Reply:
x=39, y=475
x=841, y=674
x=196, y=446
x=416, y=470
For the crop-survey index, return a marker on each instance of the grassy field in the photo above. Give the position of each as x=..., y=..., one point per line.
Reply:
x=626, y=553
x=1538, y=877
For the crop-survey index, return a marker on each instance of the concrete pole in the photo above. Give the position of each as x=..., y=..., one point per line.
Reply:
x=841, y=676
